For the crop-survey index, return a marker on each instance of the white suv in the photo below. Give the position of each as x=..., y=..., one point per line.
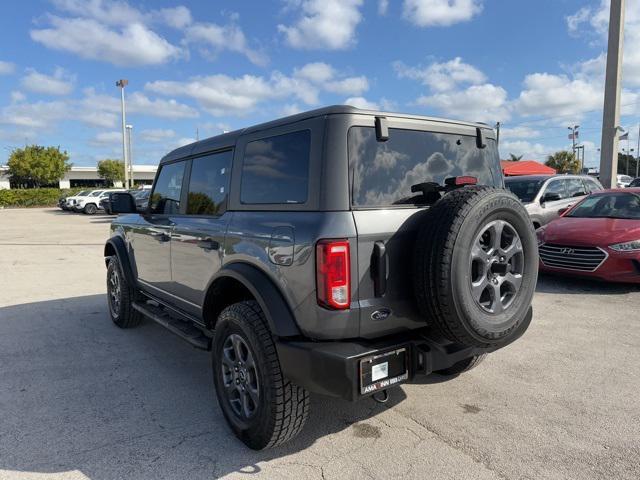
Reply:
x=90, y=203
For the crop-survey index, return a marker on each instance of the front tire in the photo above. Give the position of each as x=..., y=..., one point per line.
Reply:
x=90, y=209
x=120, y=296
x=261, y=406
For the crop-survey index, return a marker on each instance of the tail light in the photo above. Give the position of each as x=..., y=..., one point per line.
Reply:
x=333, y=275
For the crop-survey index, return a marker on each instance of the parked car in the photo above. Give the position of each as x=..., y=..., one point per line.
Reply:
x=635, y=182
x=544, y=195
x=142, y=199
x=70, y=201
x=599, y=237
x=338, y=251
x=623, y=181
x=90, y=203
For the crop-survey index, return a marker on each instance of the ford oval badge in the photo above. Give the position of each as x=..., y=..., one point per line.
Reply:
x=381, y=314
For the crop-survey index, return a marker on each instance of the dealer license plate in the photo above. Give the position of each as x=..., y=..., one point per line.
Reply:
x=383, y=370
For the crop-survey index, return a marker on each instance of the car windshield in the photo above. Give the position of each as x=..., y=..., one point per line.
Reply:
x=609, y=205
x=95, y=194
x=525, y=189
x=83, y=193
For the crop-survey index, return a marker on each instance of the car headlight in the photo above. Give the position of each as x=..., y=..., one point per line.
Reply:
x=631, y=246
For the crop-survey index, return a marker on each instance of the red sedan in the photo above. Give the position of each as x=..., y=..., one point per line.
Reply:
x=598, y=237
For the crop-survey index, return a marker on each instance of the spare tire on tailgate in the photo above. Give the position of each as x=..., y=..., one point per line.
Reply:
x=476, y=265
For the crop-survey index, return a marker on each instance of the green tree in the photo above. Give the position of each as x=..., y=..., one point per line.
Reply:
x=563, y=162
x=111, y=170
x=514, y=158
x=626, y=163
x=34, y=166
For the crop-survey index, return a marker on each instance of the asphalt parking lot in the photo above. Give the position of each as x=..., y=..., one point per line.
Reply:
x=80, y=398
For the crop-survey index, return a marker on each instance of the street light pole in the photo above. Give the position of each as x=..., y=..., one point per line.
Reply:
x=573, y=137
x=130, y=154
x=123, y=83
x=611, y=110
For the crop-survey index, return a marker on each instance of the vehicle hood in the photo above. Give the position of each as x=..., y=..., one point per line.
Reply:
x=591, y=231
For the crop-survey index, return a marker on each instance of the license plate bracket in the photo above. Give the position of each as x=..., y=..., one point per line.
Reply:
x=383, y=370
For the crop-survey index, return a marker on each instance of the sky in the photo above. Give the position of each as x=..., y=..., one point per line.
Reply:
x=201, y=67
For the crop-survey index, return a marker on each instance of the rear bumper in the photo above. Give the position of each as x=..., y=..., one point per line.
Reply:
x=334, y=368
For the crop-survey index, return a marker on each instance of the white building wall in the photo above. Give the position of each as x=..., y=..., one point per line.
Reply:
x=140, y=172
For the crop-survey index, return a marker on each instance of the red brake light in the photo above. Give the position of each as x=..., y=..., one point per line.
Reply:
x=466, y=180
x=333, y=274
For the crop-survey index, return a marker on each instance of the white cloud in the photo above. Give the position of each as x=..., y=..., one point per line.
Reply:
x=429, y=13
x=383, y=6
x=38, y=115
x=290, y=109
x=529, y=151
x=177, y=17
x=6, y=68
x=361, y=102
x=486, y=103
x=18, y=96
x=130, y=45
x=324, y=24
x=442, y=77
x=519, y=132
x=557, y=95
x=212, y=38
x=156, y=135
x=115, y=12
x=107, y=138
x=60, y=83
x=225, y=95
x=587, y=21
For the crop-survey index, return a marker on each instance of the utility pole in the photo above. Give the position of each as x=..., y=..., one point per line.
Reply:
x=123, y=83
x=611, y=110
x=638, y=152
x=130, y=154
x=498, y=133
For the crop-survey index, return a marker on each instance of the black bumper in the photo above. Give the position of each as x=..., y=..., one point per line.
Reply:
x=334, y=368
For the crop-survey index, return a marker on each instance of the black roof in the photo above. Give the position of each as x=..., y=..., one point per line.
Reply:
x=228, y=139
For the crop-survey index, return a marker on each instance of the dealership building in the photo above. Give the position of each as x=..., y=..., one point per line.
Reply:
x=79, y=177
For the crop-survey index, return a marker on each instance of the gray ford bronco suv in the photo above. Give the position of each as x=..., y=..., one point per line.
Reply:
x=338, y=251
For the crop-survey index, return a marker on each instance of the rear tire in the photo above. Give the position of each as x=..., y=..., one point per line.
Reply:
x=262, y=407
x=120, y=296
x=463, y=365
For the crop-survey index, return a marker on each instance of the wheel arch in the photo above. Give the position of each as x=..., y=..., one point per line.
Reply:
x=116, y=246
x=240, y=281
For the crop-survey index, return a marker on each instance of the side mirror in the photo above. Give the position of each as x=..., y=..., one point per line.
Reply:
x=550, y=197
x=123, y=202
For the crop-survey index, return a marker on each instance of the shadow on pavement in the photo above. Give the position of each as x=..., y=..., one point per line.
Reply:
x=561, y=285
x=79, y=394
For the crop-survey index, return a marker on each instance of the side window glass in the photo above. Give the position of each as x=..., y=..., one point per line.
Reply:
x=592, y=186
x=165, y=198
x=276, y=169
x=557, y=186
x=575, y=187
x=209, y=184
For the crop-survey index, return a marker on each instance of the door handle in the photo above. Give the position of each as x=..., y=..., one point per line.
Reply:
x=379, y=269
x=208, y=244
x=160, y=236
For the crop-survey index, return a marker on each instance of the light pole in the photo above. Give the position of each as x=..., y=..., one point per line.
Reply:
x=574, y=134
x=130, y=154
x=123, y=83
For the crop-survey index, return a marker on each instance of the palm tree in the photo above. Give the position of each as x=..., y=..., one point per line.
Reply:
x=563, y=162
x=515, y=158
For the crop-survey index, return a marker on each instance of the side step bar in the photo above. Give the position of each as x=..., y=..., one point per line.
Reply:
x=182, y=329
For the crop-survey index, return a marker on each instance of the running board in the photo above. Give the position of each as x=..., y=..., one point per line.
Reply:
x=182, y=329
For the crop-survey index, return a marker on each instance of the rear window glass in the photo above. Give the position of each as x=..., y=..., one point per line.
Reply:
x=384, y=172
x=276, y=169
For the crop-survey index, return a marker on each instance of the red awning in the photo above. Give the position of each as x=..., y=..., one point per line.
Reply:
x=525, y=167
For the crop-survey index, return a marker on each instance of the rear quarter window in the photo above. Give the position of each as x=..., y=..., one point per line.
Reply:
x=383, y=172
x=275, y=170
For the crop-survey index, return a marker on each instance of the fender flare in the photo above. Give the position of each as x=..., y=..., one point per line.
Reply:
x=276, y=310
x=118, y=245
